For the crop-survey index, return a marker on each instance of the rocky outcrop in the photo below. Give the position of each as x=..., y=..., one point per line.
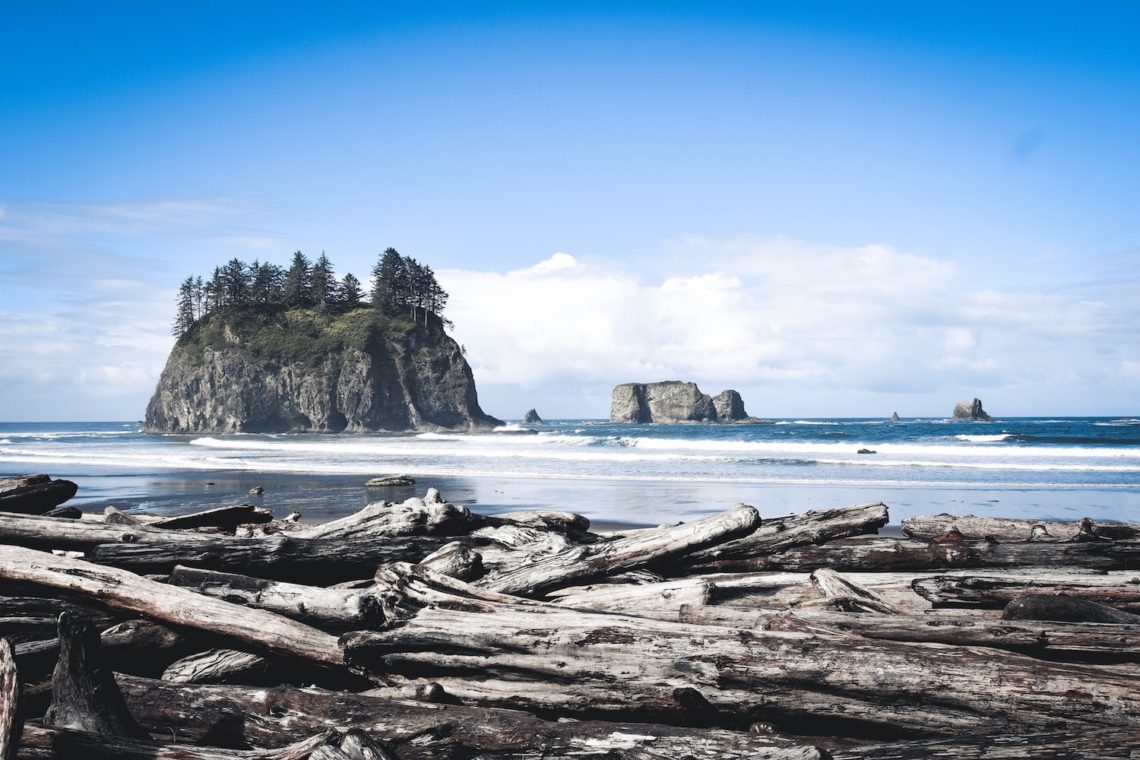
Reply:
x=729, y=407
x=274, y=371
x=674, y=401
x=895, y=417
x=971, y=411
x=531, y=418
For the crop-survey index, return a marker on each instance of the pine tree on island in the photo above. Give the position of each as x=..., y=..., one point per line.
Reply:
x=399, y=285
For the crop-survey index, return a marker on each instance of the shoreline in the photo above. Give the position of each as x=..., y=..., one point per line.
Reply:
x=626, y=503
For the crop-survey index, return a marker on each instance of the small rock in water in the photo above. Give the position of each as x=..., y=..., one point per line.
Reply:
x=256, y=491
x=391, y=480
x=866, y=451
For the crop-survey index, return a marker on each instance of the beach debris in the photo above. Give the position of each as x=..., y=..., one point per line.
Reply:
x=993, y=591
x=391, y=481
x=11, y=716
x=1012, y=530
x=801, y=625
x=34, y=494
x=223, y=518
x=83, y=693
x=115, y=516
x=68, y=513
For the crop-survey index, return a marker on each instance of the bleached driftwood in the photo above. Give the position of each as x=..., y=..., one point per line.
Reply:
x=1102, y=744
x=320, y=561
x=122, y=590
x=836, y=590
x=780, y=533
x=51, y=743
x=418, y=731
x=545, y=657
x=659, y=546
x=1012, y=530
x=11, y=714
x=891, y=554
x=1065, y=609
x=1116, y=589
x=413, y=517
x=47, y=533
x=321, y=607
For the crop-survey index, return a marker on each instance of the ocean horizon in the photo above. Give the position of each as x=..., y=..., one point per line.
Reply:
x=1027, y=467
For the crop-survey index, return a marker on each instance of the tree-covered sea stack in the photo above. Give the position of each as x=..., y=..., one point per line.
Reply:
x=263, y=348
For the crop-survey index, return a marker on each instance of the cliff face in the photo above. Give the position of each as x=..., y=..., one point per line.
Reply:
x=673, y=401
x=298, y=371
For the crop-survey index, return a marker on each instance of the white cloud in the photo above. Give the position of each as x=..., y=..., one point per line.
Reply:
x=781, y=318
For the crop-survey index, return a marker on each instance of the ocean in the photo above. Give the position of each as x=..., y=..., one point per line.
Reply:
x=1059, y=468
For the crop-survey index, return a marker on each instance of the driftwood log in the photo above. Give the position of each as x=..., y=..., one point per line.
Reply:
x=340, y=609
x=139, y=647
x=34, y=494
x=549, y=659
x=222, y=518
x=413, y=517
x=119, y=589
x=318, y=561
x=11, y=714
x=1102, y=744
x=657, y=546
x=736, y=634
x=52, y=743
x=1121, y=590
x=37, y=532
x=781, y=533
x=421, y=731
x=84, y=696
x=1010, y=530
x=1065, y=609
x=891, y=554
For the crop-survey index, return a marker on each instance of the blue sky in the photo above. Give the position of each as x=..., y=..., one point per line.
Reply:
x=837, y=208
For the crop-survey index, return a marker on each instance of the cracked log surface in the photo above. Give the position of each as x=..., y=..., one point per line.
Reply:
x=1119, y=589
x=1012, y=530
x=421, y=731
x=654, y=546
x=123, y=590
x=323, y=607
x=491, y=649
x=318, y=561
x=901, y=554
x=781, y=533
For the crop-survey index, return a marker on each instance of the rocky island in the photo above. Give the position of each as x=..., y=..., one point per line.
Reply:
x=675, y=401
x=971, y=411
x=308, y=364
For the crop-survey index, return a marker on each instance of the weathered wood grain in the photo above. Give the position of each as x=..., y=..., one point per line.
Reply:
x=256, y=630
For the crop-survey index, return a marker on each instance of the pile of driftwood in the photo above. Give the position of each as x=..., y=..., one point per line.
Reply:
x=423, y=630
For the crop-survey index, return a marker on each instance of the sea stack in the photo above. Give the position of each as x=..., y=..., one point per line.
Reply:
x=276, y=370
x=895, y=417
x=971, y=411
x=531, y=418
x=674, y=401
